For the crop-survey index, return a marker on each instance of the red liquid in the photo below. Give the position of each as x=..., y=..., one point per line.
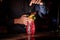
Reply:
x=30, y=28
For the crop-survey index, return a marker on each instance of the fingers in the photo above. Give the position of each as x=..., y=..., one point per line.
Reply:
x=34, y=2
x=25, y=19
x=24, y=15
x=31, y=3
x=22, y=20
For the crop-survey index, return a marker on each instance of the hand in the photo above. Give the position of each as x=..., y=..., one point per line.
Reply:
x=22, y=20
x=36, y=2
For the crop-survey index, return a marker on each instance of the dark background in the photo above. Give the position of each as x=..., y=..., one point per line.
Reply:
x=42, y=24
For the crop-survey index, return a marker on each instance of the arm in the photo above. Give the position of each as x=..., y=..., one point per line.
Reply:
x=42, y=10
x=40, y=7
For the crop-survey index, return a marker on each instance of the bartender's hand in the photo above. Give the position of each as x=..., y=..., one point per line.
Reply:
x=22, y=20
x=36, y=2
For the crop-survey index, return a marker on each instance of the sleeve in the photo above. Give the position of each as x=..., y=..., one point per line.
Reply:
x=17, y=28
x=41, y=10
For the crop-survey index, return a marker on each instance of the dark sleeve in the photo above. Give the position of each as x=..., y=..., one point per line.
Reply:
x=17, y=28
x=18, y=7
